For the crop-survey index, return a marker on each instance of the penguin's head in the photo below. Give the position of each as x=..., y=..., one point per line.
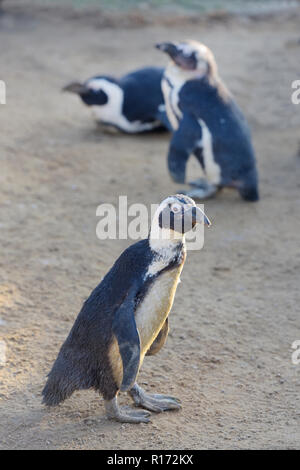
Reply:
x=94, y=92
x=175, y=216
x=191, y=56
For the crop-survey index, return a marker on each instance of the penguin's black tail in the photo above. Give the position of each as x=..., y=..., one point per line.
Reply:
x=54, y=393
x=59, y=385
x=249, y=187
x=250, y=194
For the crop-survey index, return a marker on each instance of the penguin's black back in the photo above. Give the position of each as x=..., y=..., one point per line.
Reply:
x=143, y=93
x=82, y=361
x=231, y=136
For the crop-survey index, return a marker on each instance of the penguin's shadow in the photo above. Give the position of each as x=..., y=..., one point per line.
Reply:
x=100, y=133
x=68, y=422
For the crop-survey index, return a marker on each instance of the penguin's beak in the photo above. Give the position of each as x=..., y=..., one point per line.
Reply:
x=75, y=87
x=191, y=217
x=199, y=217
x=169, y=48
x=183, y=60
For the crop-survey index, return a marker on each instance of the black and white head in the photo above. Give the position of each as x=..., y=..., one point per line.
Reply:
x=174, y=217
x=96, y=91
x=191, y=56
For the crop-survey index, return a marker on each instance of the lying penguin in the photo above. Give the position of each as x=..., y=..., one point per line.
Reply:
x=126, y=318
x=207, y=122
x=132, y=104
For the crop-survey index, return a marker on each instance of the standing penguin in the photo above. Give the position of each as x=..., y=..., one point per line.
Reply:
x=134, y=103
x=126, y=317
x=207, y=122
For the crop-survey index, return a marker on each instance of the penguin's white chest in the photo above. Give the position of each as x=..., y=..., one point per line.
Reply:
x=171, y=99
x=212, y=169
x=155, y=307
x=171, y=85
x=111, y=115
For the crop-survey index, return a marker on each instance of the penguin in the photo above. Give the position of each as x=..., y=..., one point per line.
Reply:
x=126, y=318
x=207, y=122
x=132, y=104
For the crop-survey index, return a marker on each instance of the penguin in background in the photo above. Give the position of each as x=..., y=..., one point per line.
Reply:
x=126, y=318
x=207, y=122
x=132, y=104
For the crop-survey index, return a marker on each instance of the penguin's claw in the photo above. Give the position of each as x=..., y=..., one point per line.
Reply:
x=132, y=416
x=129, y=417
x=159, y=404
x=154, y=402
x=125, y=414
x=158, y=396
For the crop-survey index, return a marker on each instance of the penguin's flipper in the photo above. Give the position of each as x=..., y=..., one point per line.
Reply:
x=126, y=333
x=159, y=340
x=198, y=152
x=183, y=143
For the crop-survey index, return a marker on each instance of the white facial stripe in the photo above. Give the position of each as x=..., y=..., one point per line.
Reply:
x=172, y=200
x=173, y=80
x=164, y=240
x=202, y=58
x=96, y=84
x=186, y=48
x=202, y=51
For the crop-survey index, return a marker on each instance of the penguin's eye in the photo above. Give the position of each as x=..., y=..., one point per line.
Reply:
x=176, y=208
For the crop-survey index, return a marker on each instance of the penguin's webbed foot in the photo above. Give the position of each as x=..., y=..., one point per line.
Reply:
x=153, y=402
x=199, y=183
x=200, y=189
x=125, y=415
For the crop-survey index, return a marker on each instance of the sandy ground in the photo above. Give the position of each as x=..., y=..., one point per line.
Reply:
x=236, y=312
